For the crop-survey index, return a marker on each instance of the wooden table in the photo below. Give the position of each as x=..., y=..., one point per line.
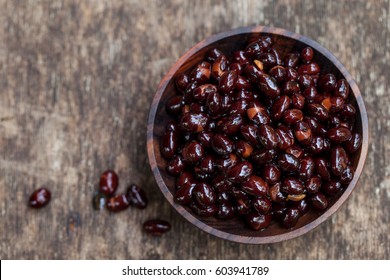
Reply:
x=76, y=82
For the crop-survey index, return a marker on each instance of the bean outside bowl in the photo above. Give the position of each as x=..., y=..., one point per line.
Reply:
x=284, y=41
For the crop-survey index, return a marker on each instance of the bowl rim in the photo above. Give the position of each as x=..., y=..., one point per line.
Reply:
x=240, y=238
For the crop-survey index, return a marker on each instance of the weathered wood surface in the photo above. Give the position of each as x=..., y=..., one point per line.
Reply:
x=76, y=82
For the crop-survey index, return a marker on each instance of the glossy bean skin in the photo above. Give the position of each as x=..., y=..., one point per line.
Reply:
x=268, y=137
x=279, y=106
x=347, y=175
x=292, y=185
x=239, y=172
x=275, y=193
x=221, y=144
x=208, y=164
x=291, y=217
x=224, y=163
x=295, y=151
x=338, y=160
x=174, y=105
x=203, y=212
x=278, y=73
x=252, y=73
x=322, y=168
x=306, y=168
x=303, y=133
x=225, y=211
x=285, y=137
x=250, y=134
x=310, y=69
x=258, y=113
x=255, y=186
x=327, y=82
x=227, y=82
x=288, y=163
x=292, y=60
x=313, y=185
x=339, y=134
x=204, y=195
x=292, y=116
x=193, y=122
x=319, y=201
x=258, y=221
x=297, y=101
x=182, y=82
x=201, y=73
x=342, y=89
x=109, y=179
x=117, y=203
x=290, y=88
x=271, y=173
x=39, y=198
x=201, y=93
x=156, y=227
x=192, y=152
x=262, y=205
x=183, y=195
x=175, y=166
x=185, y=179
x=353, y=144
x=214, y=103
x=231, y=125
x=262, y=156
x=268, y=86
x=243, y=149
x=331, y=187
x=318, y=111
x=137, y=196
x=305, y=81
x=307, y=54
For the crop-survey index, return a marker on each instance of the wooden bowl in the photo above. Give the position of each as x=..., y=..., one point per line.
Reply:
x=284, y=41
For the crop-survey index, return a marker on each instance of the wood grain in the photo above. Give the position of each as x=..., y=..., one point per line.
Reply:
x=76, y=82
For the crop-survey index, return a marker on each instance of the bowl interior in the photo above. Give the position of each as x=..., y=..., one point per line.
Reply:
x=229, y=42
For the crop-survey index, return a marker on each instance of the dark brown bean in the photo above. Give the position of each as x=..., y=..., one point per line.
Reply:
x=347, y=175
x=271, y=173
x=252, y=73
x=275, y=193
x=174, y=105
x=268, y=137
x=193, y=122
x=310, y=94
x=311, y=68
x=285, y=137
x=292, y=185
x=213, y=54
x=297, y=101
x=342, y=89
x=239, y=107
x=291, y=74
x=250, y=134
x=353, y=144
x=258, y=221
x=99, y=201
x=306, y=168
x=339, y=134
x=307, y=54
x=291, y=60
x=204, y=195
x=290, y=88
x=175, y=166
x=331, y=187
x=291, y=217
x=227, y=82
x=262, y=156
x=295, y=151
x=240, y=172
x=302, y=205
x=193, y=152
x=268, y=60
x=348, y=111
x=243, y=149
x=240, y=57
x=258, y=113
x=184, y=194
x=156, y=227
x=236, y=68
x=205, y=138
x=338, y=160
x=222, y=144
x=182, y=82
x=305, y=81
x=303, y=133
x=322, y=168
x=313, y=185
x=203, y=212
x=278, y=73
x=224, y=163
x=257, y=47
x=109, y=179
x=219, y=66
x=317, y=145
x=318, y=111
x=225, y=211
x=262, y=205
x=201, y=73
x=255, y=186
x=185, y=179
x=327, y=82
x=280, y=105
x=207, y=165
x=137, y=196
x=39, y=198
x=319, y=201
x=242, y=83
x=214, y=103
x=117, y=203
x=231, y=125
x=268, y=86
x=288, y=163
x=291, y=116
x=201, y=92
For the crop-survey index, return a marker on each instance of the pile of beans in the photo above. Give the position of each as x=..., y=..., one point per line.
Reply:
x=259, y=136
